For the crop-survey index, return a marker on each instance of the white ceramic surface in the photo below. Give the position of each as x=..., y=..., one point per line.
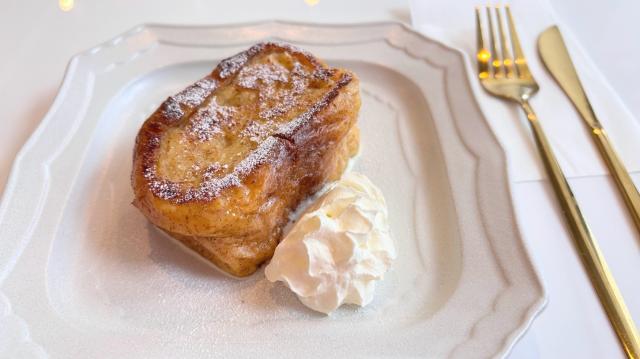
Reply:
x=82, y=272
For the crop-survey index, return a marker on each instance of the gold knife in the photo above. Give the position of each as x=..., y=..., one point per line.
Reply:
x=555, y=56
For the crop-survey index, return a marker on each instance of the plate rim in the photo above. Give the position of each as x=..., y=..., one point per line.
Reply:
x=72, y=68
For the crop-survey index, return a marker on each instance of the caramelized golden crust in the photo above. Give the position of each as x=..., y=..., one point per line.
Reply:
x=220, y=165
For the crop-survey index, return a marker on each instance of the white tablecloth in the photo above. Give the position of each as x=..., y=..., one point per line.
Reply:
x=37, y=39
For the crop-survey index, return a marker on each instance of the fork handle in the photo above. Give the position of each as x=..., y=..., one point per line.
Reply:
x=592, y=259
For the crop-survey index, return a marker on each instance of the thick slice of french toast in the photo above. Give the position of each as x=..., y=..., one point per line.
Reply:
x=220, y=165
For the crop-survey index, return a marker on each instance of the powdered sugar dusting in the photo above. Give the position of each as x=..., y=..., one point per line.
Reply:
x=268, y=74
x=211, y=186
x=165, y=189
x=278, y=88
x=209, y=189
x=213, y=170
x=259, y=156
x=207, y=83
x=195, y=94
x=171, y=110
x=255, y=131
x=278, y=80
x=287, y=130
x=233, y=64
x=207, y=120
x=191, y=97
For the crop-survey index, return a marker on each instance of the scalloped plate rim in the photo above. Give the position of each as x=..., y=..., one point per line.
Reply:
x=75, y=61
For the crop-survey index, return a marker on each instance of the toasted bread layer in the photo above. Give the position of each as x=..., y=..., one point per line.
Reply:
x=220, y=165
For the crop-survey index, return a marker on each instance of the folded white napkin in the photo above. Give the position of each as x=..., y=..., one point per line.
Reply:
x=453, y=23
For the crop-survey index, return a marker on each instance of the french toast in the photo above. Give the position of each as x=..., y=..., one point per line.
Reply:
x=220, y=165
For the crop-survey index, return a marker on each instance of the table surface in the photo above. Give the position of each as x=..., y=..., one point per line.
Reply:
x=38, y=39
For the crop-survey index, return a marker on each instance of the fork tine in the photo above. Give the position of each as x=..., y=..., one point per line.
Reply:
x=496, y=61
x=482, y=56
x=521, y=62
x=507, y=60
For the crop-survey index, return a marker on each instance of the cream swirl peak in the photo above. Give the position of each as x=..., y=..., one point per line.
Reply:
x=339, y=248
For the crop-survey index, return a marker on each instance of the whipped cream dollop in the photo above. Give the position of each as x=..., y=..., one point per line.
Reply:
x=339, y=247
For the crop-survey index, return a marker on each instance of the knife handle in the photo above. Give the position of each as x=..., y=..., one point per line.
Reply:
x=623, y=180
x=592, y=259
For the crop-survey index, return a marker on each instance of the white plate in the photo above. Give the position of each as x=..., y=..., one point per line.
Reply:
x=82, y=273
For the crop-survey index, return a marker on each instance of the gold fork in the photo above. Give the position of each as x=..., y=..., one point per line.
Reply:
x=509, y=77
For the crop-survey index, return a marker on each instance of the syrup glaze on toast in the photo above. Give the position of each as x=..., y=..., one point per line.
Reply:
x=221, y=164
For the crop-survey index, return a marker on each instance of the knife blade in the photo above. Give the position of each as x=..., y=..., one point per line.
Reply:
x=556, y=58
